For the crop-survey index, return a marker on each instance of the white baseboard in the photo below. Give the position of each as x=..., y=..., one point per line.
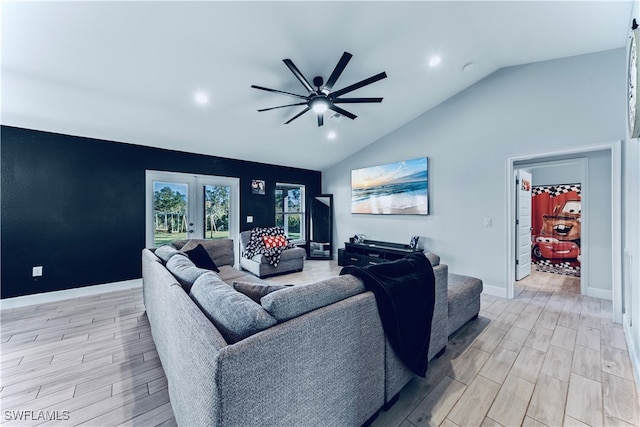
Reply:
x=600, y=293
x=46, y=297
x=633, y=354
x=496, y=291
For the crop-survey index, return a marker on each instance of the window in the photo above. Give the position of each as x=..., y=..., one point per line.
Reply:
x=290, y=210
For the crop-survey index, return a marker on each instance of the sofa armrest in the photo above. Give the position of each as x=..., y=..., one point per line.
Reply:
x=439, y=324
x=397, y=374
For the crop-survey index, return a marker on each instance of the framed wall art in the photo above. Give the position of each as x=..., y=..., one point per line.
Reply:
x=258, y=187
x=399, y=188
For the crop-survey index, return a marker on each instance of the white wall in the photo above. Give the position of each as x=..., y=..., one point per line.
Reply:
x=631, y=239
x=533, y=108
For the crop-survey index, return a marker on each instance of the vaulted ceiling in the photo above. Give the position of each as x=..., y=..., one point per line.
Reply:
x=129, y=71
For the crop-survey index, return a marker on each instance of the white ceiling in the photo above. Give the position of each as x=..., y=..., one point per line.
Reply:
x=128, y=71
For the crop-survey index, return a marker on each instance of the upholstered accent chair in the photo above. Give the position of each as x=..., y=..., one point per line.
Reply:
x=291, y=259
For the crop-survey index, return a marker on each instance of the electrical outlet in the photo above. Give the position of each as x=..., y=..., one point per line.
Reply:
x=37, y=271
x=249, y=219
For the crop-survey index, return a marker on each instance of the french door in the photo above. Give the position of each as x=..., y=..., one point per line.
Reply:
x=186, y=206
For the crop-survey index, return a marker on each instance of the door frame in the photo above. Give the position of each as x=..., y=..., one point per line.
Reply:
x=614, y=148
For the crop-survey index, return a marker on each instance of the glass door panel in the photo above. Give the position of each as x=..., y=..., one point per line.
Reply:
x=217, y=200
x=170, y=215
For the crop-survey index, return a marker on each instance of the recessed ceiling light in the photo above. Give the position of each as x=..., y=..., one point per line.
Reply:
x=331, y=135
x=435, y=60
x=201, y=98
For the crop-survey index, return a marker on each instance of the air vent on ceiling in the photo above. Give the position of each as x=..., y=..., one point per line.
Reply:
x=336, y=117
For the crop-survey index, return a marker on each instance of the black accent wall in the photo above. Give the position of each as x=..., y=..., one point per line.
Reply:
x=76, y=205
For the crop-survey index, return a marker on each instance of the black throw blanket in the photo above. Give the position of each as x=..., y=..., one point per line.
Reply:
x=405, y=295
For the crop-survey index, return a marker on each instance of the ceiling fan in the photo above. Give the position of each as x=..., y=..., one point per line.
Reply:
x=321, y=98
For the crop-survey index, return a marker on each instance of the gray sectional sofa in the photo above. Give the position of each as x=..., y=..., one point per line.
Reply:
x=307, y=355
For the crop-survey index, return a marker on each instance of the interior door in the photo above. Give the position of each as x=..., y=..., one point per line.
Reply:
x=523, y=224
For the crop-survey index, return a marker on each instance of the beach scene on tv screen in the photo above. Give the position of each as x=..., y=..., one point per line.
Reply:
x=394, y=188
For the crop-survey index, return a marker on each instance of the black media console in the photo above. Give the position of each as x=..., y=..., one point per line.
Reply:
x=373, y=252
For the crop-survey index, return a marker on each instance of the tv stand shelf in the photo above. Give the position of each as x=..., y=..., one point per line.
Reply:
x=374, y=252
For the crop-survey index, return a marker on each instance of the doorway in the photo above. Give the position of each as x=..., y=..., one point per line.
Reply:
x=609, y=198
x=555, y=238
x=186, y=206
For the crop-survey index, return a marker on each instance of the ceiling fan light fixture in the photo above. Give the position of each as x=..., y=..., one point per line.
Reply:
x=319, y=105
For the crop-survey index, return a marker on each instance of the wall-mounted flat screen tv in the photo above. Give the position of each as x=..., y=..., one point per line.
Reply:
x=394, y=188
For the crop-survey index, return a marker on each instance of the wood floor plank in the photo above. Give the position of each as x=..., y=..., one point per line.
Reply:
x=474, y=403
x=564, y=338
x=620, y=398
x=468, y=365
x=539, y=338
x=436, y=405
x=584, y=401
x=588, y=337
x=548, y=400
x=557, y=363
x=586, y=362
x=528, y=364
x=511, y=403
x=616, y=361
x=499, y=364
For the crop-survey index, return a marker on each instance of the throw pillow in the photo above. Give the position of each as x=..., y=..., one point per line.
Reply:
x=201, y=258
x=232, y=313
x=274, y=241
x=255, y=291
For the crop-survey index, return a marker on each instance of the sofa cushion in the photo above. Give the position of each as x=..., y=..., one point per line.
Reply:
x=294, y=301
x=291, y=253
x=234, y=314
x=165, y=252
x=184, y=270
x=256, y=291
x=229, y=274
x=221, y=251
x=201, y=258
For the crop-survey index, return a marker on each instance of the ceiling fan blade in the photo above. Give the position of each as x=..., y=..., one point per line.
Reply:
x=342, y=111
x=282, y=106
x=346, y=57
x=372, y=79
x=320, y=119
x=297, y=115
x=279, y=91
x=298, y=74
x=355, y=100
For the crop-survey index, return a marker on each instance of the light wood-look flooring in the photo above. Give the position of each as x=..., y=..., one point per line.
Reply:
x=548, y=357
